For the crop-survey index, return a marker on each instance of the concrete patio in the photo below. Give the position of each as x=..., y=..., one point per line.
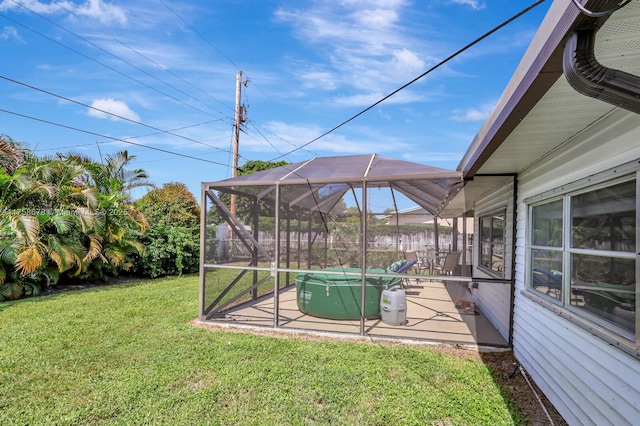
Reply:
x=436, y=311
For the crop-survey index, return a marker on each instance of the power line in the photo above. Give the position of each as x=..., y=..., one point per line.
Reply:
x=110, y=137
x=111, y=54
x=267, y=140
x=228, y=60
x=159, y=131
x=122, y=60
x=132, y=137
x=144, y=57
x=105, y=65
x=109, y=113
x=200, y=35
x=438, y=65
x=252, y=123
x=111, y=68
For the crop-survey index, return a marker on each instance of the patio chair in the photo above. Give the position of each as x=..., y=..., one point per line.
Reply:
x=418, y=265
x=449, y=264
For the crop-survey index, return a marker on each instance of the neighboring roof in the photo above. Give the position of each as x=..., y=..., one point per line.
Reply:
x=539, y=110
x=416, y=210
x=322, y=181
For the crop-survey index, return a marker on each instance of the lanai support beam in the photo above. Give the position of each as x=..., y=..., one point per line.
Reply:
x=363, y=244
x=275, y=263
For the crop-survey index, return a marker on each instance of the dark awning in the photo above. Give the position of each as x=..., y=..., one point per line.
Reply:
x=320, y=182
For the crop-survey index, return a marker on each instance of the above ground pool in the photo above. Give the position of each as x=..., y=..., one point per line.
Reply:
x=336, y=296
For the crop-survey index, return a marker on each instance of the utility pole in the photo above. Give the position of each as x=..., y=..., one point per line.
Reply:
x=239, y=119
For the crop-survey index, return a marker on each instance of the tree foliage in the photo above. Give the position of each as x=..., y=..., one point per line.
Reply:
x=63, y=217
x=244, y=204
x=172, y=240
x=254, y=166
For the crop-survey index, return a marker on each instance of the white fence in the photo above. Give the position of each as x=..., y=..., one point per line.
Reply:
x=421, y=242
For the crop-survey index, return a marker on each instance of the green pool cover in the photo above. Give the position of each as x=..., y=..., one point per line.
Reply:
x=338, y=296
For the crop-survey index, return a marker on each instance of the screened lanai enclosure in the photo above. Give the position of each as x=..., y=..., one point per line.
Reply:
x=323, y=244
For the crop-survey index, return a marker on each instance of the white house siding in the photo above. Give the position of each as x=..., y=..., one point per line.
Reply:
x=495, y=299
x=588, y=380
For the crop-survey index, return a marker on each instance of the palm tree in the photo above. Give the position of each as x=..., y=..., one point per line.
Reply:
x=44, y=204
x=33, y=232
x=10, y=154
x=64, y=214
x=116, y=226
x=112, y=175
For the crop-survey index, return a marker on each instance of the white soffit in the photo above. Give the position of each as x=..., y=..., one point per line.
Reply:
x=562, y=112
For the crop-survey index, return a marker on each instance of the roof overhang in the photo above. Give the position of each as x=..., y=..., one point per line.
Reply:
x=539, y=110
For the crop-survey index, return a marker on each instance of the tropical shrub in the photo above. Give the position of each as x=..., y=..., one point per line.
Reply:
x=244, y=206
x=172, y=240
x=64, y=218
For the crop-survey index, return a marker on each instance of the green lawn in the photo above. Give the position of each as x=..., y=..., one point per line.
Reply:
x=128, y=354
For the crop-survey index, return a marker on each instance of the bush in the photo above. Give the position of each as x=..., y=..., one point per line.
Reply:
x=172, y=239
x=170, y=250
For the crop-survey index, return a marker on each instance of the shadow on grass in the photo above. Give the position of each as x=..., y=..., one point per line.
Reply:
x=59, y=289
x=521, y=400
x=516, y=392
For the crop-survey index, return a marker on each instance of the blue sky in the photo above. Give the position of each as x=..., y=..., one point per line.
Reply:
x=166, y=70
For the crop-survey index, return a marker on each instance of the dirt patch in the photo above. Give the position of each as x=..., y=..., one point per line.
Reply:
x=514, y=382
x=517, y=385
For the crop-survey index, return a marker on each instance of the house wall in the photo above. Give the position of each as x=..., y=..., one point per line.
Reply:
x=589, y=380
x=495, y=299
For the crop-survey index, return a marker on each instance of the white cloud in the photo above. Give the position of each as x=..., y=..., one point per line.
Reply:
x=472, y=114
x=111, y=106
x=405, y=59
x=106, y=13
x=10, y=33
x=35, y=5
x=474, y=4
x=367, y=140
x=324, y=80
x=354, y=25
x=364, y=44
x=377, y=17
x=403, y=97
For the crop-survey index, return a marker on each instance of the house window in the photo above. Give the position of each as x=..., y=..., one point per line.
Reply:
x=492, y=229
x=547, y=248
x=582, y=253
